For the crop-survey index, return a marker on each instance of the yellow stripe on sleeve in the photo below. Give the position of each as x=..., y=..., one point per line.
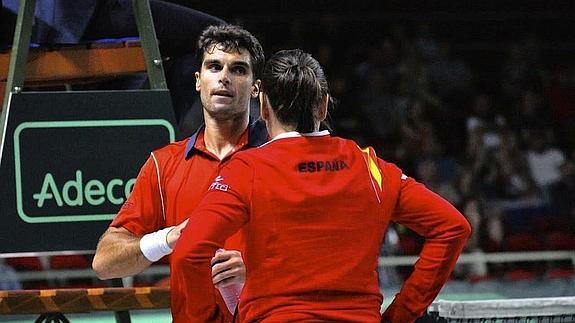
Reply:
x=373, y=169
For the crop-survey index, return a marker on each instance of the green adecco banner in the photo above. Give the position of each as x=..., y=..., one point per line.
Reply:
x=70, y=160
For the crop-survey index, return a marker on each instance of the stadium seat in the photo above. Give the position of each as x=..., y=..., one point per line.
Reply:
x=25, y=263
x=560, y=273
x=84, y=63
x=474, y=278
x=559, y=240
x=69, y=262
x=520, y=274
x=491, y=245
x=524, y=241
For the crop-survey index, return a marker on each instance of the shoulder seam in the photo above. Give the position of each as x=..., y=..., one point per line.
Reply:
x=159, y=185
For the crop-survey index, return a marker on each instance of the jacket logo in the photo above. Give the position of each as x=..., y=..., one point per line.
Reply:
x=217, y=185
x=320, y=165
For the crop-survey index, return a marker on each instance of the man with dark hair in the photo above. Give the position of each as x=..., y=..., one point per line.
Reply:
x=316, y=209
x=231, y=38
x=174, y=179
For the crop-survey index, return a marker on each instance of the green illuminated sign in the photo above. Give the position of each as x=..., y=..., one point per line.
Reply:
x=74, y=192
x=78, y=191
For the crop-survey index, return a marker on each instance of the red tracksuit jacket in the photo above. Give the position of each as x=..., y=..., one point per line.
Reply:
x=315, y=209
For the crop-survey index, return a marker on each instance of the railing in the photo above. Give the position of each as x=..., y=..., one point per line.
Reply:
x=479, y=258
x=64, y=301
x=482, y=258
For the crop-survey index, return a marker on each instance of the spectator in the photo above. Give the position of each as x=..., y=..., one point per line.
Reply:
x=513, y=177
x=8, y=278
x=485, y=121
x=531, y=114
x=284, y=210
x=175, y=177
x=428, y=174
x=418, y=138
x=450, y=76
x=544, y=160
x=562, y=195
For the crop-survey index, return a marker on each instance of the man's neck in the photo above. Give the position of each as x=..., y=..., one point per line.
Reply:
x=275, y=128
x=222, y=136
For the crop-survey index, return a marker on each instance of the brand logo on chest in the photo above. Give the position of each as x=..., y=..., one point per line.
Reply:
x=219, y=185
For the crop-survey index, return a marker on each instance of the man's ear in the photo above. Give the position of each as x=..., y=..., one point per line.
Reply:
x=256, y=89
x=264, y=106
x=197, y=74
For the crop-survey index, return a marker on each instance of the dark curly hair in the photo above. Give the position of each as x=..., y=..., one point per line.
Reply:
x=230, y=38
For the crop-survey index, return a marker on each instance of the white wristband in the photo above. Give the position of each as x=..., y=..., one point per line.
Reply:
x=155, y=245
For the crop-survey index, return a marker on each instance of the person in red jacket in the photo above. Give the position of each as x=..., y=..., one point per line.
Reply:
x=175, y=177
x=314, y=209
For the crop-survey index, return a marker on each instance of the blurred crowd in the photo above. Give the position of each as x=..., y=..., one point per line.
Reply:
x=492, y=131
x=500, y=146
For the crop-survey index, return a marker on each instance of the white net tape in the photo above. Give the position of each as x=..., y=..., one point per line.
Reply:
x=508, y=308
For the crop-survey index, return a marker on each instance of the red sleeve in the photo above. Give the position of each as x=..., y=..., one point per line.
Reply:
x=445, y=231
x=141, y=213
x=222, y=212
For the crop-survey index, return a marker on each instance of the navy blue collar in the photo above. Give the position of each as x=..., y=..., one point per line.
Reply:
x=257, y=136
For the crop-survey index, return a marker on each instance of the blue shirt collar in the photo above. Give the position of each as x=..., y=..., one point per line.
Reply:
x=257, y=136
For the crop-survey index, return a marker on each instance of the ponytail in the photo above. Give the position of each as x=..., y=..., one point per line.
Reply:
x=295, y=84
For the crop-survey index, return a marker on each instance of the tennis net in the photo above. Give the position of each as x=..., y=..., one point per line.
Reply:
x=528, y=310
